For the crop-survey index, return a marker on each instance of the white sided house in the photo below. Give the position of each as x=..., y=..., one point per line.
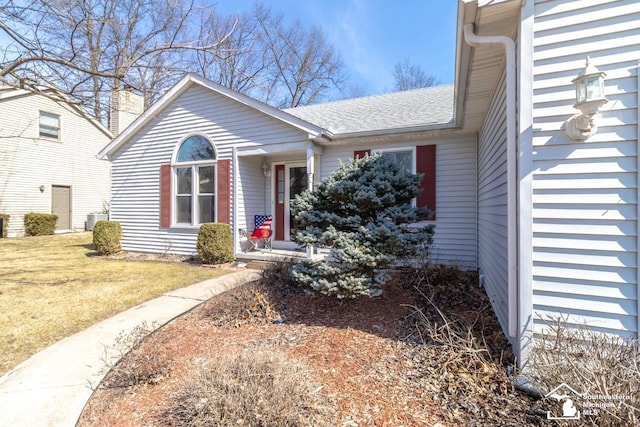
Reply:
x=541, y=198
x=48, y=161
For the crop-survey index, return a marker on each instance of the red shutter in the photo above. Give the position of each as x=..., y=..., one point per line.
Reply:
x=224, y=191
x=426, y=164
x=165, y=195
x=358, y=154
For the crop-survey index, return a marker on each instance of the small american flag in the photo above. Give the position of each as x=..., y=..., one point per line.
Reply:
x=260, y=219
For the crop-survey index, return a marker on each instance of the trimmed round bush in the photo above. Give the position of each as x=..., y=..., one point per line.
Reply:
x=107, y=236
x=39, y=224
x=215, y=243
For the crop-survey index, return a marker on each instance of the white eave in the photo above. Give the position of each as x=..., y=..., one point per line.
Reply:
x=478, y=69
x=189, y=80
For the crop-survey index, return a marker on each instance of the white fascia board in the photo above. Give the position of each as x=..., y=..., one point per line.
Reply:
x=260, y=106
x=146, y=117
x=262, y=150
x=186, y=82
x=466, y=13
x=391, y=131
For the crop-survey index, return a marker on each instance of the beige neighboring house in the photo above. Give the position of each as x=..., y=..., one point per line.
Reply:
x=48, y=161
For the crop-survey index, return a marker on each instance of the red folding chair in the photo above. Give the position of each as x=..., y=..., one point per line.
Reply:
x=261, y=234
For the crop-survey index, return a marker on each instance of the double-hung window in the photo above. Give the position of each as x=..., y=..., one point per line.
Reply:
x=49, y=126
x=403, y=157
x=420, y=159
x=195, y=181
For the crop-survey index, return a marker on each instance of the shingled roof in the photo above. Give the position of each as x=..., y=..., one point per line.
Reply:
x=418, y=107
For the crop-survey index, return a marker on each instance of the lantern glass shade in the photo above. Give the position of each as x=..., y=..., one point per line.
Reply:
x=589, y=98
x=589, y=88
x=595, y=87
x=581, y=91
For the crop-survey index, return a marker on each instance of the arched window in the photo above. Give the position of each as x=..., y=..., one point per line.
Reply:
x=194, y=169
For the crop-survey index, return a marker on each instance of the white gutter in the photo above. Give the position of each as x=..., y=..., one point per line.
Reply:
x=390, y=131
x=512, y=244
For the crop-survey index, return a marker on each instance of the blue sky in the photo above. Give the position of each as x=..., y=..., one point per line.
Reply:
x=373, y=35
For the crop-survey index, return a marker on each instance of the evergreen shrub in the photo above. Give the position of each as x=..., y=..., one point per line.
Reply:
x=215, y=243
x=363, y=212
x=107, y=236
x=39, y=224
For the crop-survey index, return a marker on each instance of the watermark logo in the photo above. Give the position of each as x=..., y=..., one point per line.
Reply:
x=567, y=395
x=575, y=405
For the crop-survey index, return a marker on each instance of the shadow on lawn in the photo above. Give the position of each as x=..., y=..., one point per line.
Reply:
x=91, y=248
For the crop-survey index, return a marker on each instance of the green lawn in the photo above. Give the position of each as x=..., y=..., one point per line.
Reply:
x=54, y=286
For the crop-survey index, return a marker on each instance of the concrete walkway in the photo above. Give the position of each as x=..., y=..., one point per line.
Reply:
x=52, y=387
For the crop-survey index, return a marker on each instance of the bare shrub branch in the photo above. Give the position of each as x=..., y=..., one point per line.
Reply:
x=593, y=363
x=258, y=388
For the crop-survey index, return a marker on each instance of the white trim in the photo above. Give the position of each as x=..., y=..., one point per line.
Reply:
x=183, y=139
x=195, y=175
x=234, y=200
x=525, y=190
x=512, y=244
x=393, y=131
x=638, y=202
x=278, y=148
x=59, y=128
x=195, y=180
x=411, y=148
x=287, y=196
x=414, y=162
x=182, y=86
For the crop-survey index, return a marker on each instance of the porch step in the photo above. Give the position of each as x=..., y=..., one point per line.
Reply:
x=260, y=260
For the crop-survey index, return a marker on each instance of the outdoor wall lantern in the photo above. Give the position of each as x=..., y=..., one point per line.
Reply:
x=265, y=169
x=589, y=98
x=42, y=188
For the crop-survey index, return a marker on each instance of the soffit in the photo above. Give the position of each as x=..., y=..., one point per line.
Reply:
x=486, y=62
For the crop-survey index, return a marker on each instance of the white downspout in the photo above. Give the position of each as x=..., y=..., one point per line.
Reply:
x=638, y=204
x=512, y=244
x=234, y=198
x=310, y=175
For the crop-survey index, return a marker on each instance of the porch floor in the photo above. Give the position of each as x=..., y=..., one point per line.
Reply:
x=273, y=255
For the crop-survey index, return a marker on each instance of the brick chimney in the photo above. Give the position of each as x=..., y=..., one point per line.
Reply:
x=125, y=107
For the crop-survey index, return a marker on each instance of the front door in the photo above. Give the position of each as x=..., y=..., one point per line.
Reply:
x=290, y=180
x=61, y=206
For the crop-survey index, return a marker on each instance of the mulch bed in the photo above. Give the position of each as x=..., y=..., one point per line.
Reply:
x=371, y=356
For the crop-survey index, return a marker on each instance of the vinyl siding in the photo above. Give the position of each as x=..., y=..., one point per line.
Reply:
x=253, y=198
x=492, y=204
x=456, y=226
x=136, y=165
x=28, y=161
x=585, y=207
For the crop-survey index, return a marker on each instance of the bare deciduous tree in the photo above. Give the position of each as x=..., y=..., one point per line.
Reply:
x=86, y=48
x=285, y=65
x=239, y=61
x=304, y=65
x=411, y=76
